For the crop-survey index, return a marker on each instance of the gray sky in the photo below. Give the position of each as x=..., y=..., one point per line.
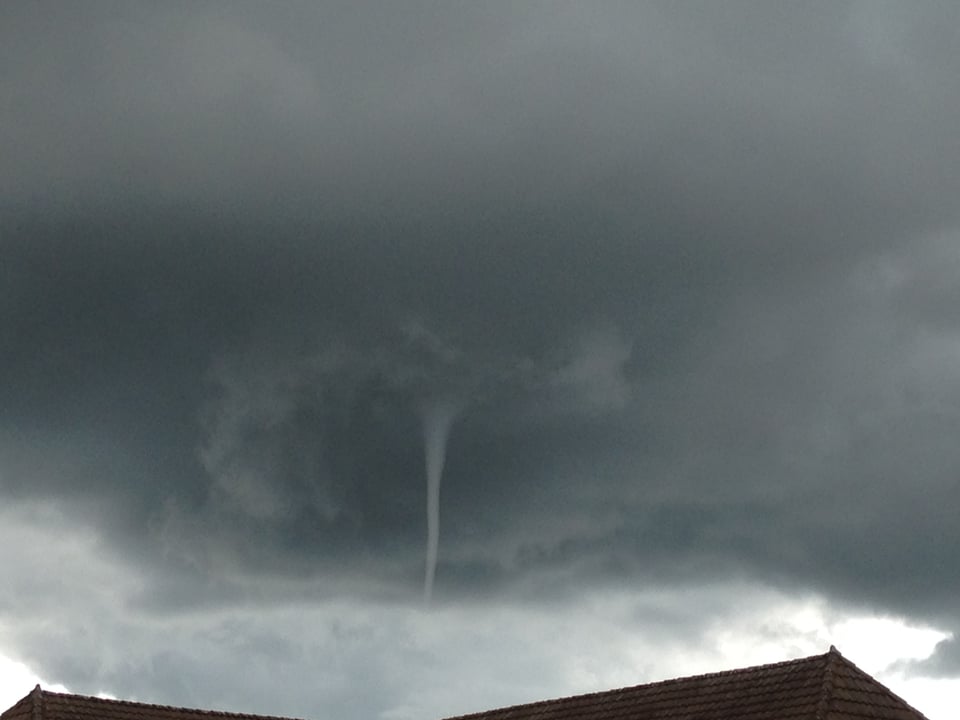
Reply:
x=687, y=271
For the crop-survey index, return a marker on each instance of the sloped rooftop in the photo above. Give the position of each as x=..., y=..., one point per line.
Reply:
x=45, y=705
x=821, y=687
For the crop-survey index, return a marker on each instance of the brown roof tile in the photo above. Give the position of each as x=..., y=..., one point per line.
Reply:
x=821, y=687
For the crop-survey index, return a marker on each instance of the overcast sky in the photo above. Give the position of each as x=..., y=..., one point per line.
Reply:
x=683, y=276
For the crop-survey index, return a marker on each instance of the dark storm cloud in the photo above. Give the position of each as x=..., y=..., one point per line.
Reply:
x=690, y=270
x=945, y=661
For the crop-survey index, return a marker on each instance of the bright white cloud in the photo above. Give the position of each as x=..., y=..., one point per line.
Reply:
x=16, y=680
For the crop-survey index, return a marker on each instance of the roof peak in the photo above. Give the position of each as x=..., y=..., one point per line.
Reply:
x=826, y=692
x=36, y=698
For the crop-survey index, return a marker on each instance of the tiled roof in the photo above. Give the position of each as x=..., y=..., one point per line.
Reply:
x=821, y=687
x=45, y=705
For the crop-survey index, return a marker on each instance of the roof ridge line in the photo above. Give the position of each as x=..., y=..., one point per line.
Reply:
x=826, y=692
x=36, y=698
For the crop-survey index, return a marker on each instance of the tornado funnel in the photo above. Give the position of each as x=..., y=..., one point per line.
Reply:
x=437, y=417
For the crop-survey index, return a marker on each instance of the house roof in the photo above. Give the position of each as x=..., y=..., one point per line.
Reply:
x=42, y=704
x=821, y=687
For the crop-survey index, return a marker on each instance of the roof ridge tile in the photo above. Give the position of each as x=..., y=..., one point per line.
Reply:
x=826, y=689
x=36, y=698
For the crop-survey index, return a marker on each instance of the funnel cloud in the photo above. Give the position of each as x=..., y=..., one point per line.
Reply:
x=437, y=417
